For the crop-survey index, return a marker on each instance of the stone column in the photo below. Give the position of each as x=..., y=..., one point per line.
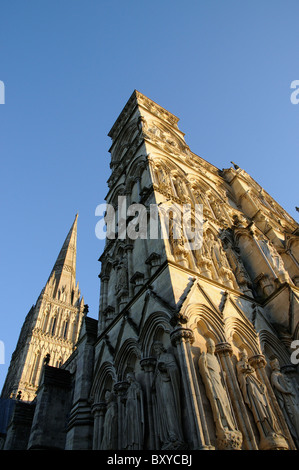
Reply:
x=148, y=366
x=182, y=338
x=120, y=389
x=129, y=249
x=284, y=440
x=224, y=352
x=101, y=294
x=105, y=280
x=98, y=410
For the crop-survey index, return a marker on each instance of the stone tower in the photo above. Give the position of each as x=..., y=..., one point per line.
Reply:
x=51, y=327
x=193, y=347
x=187, y=338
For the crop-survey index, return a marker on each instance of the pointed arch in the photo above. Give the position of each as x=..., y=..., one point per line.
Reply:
x=207, y=321
x=126, y=358
x=156, y=327
x=241, y=334
x=271, y=347
x=125, y=141
x=105, y=378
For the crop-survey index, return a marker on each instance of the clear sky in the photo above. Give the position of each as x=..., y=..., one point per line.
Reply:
x=69, y=66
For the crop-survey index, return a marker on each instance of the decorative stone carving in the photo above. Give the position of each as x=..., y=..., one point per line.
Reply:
x=178, y=242
x=121, y=287
x=265, y=283
x=255, y=396
x=109, y=312
x=228, y=436
x=166, y=383
x=133, y=430
x=137, y=280
x=237, y=266
x=163, y=178
x=109, y=439
x=154, y=261
x=287, y=398
x=274, y=259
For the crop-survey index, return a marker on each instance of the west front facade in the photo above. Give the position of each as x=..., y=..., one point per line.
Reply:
x=194, y=343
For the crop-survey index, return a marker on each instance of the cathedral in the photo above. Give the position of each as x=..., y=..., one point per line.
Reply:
x=195, y=343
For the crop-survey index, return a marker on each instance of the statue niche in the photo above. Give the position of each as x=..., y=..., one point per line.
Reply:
x=256, y=398
x=237, y=266
x=177, y=241
x=109, y=439
x=166, y=386
x=212, y=260
x=133, y=430
x=274, y=259
x=228, y=436
x=121, y=286
x=287, y=398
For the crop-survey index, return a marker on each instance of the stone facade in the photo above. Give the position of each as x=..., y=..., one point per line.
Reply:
x=192, y=347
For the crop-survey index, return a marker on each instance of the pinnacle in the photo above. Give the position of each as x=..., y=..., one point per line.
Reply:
x=64, y=269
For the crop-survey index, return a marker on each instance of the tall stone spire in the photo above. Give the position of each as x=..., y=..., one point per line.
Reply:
x=51, y=327
x=64, y=270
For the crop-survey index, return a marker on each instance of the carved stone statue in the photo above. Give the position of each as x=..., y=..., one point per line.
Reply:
x=166, y=384
x=238, y=268
x=121, y=287
x=228, y=436
x=109, y=440
x=255, y=396
x=178, y=242
x=133, y=431
x=287, y=398
x=274, y=259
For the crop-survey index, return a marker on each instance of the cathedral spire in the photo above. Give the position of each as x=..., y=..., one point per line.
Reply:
x=51, y=328
x=64, y=270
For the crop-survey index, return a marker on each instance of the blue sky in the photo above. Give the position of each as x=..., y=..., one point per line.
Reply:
x=69, y=66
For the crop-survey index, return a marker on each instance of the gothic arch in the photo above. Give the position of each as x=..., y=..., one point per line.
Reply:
x=125, y=141
x=198, y=182
x=206, y=322
x=271, y=346
x=118, y=251
x=126, y=358
x=242, y=335
x=118, y=190
x=169, y=165
x=174, y=173
x=104, y=379
x=135, y=170
x=155, y=328
x=164, y=137
x=107, y=266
